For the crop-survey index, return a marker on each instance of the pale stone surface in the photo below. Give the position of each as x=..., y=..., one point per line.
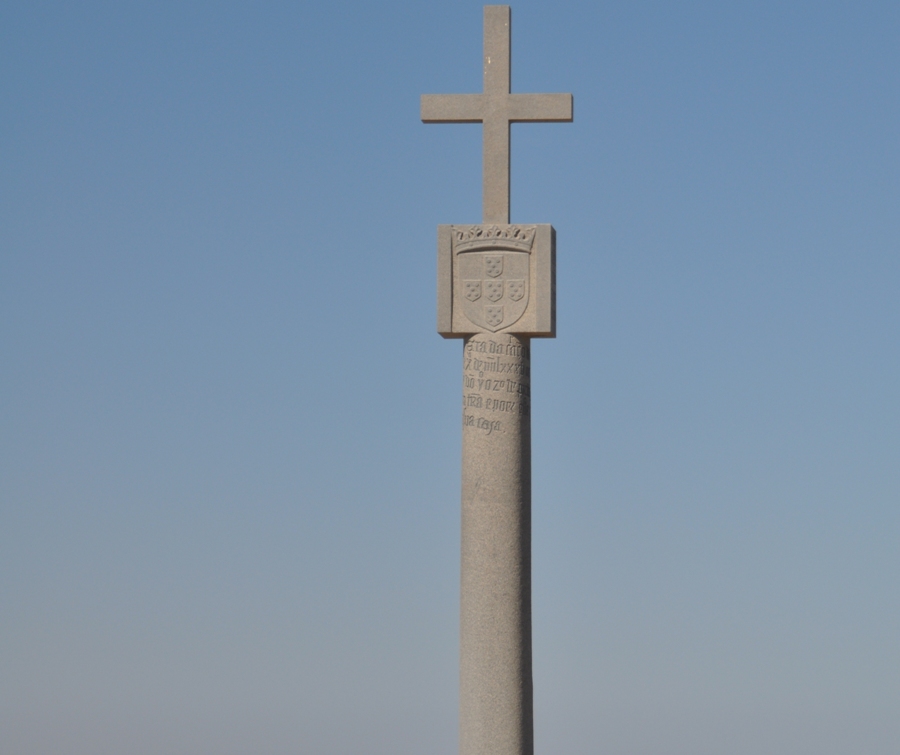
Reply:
x=497, y=278
x=495, y=109
x=495, y=715
x=497, y=289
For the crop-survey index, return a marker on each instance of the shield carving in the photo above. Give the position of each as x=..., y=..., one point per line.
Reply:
x=495, y=287
x=515, y=289
x=493, y=290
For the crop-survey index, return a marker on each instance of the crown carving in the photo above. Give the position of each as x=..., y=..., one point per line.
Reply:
x=470, y=237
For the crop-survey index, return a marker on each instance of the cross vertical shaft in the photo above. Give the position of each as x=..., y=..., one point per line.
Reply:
x=495, y=108
x=488, y=279
x=495, y=142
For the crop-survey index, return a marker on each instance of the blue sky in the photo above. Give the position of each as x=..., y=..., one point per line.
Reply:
x=229, y=445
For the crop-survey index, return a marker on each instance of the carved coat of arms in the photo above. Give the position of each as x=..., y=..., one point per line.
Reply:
x=494, y=270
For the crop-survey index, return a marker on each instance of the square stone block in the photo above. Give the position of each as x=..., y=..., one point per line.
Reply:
x=497, y=279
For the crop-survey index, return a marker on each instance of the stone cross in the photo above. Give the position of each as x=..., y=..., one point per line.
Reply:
x=496, y=108
x=497, y=290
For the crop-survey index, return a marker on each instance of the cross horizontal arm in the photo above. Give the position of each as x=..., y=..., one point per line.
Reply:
x=539, y=108
x=471, y=108
x=452, y=108
x=496, y=108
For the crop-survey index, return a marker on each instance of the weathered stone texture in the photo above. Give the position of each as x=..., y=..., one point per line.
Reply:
x=495, y=108
x=497, y=278
x=496, y=289
x=495, y=595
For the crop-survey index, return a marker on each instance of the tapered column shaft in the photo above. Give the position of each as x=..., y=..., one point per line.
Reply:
x=495, y=598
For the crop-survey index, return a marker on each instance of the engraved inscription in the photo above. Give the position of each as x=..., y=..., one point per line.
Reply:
x=488, y=425
x=499, y=405
x=495, y=381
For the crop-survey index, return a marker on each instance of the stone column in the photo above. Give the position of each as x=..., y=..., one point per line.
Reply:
x=495, y=598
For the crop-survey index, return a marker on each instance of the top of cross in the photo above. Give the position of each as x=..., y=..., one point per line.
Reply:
x=496, y=108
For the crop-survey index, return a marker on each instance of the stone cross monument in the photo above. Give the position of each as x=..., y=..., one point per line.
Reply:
x=496, y=290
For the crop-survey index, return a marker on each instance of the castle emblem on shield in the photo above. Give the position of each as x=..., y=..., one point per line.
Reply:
x=493, y=268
